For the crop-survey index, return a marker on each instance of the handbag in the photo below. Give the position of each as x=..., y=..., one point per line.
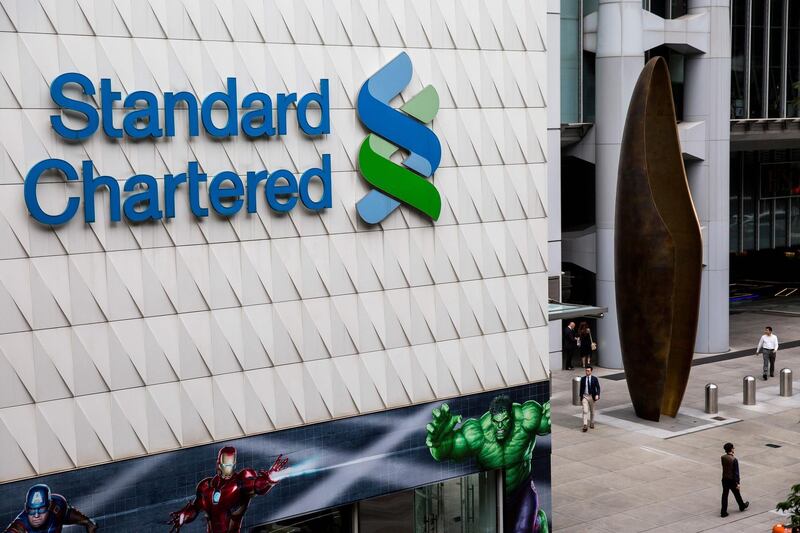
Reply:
x=594, y=344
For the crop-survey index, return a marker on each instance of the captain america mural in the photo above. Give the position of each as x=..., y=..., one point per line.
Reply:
x=46, y=512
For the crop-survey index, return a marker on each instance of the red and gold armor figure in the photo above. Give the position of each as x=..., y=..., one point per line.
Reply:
x=224, y=498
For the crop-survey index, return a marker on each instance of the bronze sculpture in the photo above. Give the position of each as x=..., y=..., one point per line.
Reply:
x=657, y=249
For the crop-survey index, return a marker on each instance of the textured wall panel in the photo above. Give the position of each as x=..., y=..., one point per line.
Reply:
x=119, y=340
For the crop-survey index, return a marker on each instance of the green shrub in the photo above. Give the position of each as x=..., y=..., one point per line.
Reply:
x=792, y=505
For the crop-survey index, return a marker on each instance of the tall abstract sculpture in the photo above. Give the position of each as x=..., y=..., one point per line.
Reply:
x=657, y=249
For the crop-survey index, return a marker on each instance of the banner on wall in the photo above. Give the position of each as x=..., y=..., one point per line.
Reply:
x=264, y=478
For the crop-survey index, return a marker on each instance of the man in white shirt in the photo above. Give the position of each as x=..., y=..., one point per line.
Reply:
x=768, y=347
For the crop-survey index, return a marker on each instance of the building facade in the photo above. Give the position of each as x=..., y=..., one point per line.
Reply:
x=765, y=133
x=735, y=69
x=159, y=302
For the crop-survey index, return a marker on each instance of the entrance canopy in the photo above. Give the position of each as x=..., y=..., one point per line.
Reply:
x=562, y=311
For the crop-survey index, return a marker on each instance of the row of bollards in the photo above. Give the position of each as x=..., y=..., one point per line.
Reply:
x=748, y=390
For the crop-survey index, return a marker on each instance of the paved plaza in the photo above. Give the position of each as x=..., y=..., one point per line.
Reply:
x=631, y=476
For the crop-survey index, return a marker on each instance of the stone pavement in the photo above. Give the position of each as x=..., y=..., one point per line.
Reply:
x=620, y=478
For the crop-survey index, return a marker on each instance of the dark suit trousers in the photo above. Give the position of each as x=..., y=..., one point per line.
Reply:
x=729, y=485
x=567, y=356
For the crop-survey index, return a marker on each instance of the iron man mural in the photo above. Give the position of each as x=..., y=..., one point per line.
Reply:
x=225, y=497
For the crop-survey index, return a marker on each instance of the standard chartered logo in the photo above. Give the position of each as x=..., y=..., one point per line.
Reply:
x=96, y=110
x=391, y=130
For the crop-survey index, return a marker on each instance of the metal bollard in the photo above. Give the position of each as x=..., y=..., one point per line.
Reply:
x=576, y=390
x=711, y=398
x=749, y=390
x=786, y=382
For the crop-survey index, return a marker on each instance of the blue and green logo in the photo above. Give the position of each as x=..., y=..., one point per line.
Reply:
x=392, y=130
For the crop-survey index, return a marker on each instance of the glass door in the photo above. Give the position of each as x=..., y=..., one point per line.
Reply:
x=462, y=505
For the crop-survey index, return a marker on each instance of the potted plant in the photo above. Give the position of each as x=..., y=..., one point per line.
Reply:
x=792, y=506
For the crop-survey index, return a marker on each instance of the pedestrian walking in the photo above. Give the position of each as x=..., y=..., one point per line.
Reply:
x=730, y=480
x=590, y=393
x=768, y=348
x=586, y=344
x=569, y=345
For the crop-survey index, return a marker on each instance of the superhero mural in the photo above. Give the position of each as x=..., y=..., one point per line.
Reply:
x=502, y=438
x=319, y=466
x=224, y=498
x=46, y=512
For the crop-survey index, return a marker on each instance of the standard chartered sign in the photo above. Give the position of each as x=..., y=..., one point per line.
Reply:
x=229, y=114
x=228, y=193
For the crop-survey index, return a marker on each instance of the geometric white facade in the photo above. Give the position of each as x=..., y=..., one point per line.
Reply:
x=119, y=340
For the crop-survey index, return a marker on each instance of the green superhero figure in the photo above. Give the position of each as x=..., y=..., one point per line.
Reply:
x=503, y=437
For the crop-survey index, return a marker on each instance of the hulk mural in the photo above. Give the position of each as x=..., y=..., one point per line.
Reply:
x=503, y=437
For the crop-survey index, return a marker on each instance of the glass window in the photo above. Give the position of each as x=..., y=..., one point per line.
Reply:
x=795, y=221
x=781, y=206
x=462, y=505
x=679, y=8
x=775, y=82
x=588, y=87
x=765, y=224
x=738, y=57
x=793, y=64
x=570, y=61
x=776, y=179
x=659, y=7
x=675, y=63
x=734, y=206
x=749, y=190
x=387, y=514
x=331, y=521
x=757, y=59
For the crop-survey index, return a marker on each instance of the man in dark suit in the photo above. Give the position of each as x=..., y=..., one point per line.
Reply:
x=590, y=393
x=730, y=480
x=569, y=345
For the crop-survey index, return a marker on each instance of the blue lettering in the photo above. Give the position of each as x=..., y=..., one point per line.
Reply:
x=324, y=174
x=273, y=189
x=217, y=194
x=170, y=102
x=195, y=177
x=283, y=106
x=32, y=201
x=257, y=123
x=253, y=179
x=67, y=103
x=90, y=186
x=228, y=99
x=148, y=115
x=147, y=197
x=107, y=99
x=321, y=99
x=170, y=186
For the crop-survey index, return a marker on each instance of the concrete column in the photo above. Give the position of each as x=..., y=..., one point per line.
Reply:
x=554, y=164
x=619, y=61
x=707, y=98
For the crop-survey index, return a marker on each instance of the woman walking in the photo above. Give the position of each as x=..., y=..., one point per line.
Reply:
x=587, y=344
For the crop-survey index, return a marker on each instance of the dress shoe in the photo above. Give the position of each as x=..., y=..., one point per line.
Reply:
x=723, y=515
x=584, y=429
x=591, y=425
x=764, y=377
x=745, y=506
